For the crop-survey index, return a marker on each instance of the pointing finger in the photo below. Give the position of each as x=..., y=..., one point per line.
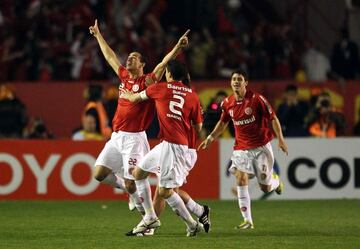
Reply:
x=186, y=33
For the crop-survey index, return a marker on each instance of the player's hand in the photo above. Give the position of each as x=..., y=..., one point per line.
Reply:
x=184, y=41
x=282, y=145
x=205, y=144
x=94, y=30
x=125, y=93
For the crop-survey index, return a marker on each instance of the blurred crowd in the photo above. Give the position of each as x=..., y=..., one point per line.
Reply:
x=314, y=117
x=49, y=40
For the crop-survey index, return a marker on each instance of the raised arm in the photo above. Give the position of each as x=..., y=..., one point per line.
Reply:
x=108, y=53
x=277, y=129
x=218, y=130
x=160, y=68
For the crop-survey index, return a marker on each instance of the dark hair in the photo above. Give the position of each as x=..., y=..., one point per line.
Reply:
x=291, y=88
x=345, y=33
x=186, y=81
x=95, y=92
x=178, y=70
x=325, y=103
x=241, y=72
x=141, y=56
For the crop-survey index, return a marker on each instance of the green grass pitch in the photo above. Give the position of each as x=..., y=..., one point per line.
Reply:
x=86, y=224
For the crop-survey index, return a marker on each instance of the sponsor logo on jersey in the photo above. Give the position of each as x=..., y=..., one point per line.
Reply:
x=245, y=121
x=248, y=110
x=135, y=88
x=121, y=85
x=180, y=88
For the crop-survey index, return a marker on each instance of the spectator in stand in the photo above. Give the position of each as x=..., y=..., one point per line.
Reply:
x=231, y=56
x=38, y=130
x=93, y=95
x=213, y=111
x=316, y=64
x=292, y=113
x=258, y=59
x=10, y=56
x=200, y=51
x=13, y=117
x=111, y=101
x=90, y=127
x=324, y=120
x=345, y=57
x=356, y=131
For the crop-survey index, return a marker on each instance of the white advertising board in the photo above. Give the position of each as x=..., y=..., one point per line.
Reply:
x=314, y=169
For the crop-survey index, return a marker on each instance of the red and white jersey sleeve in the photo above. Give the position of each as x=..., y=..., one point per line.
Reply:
x=131, y=117
x=177, y=107
x=251, y=118
x=225, y=116
x=266, y=108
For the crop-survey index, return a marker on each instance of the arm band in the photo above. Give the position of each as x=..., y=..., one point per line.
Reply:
x=211, y=138
x=143, y=95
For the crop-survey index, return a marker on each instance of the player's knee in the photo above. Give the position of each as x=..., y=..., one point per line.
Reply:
x=139, y=174
x=165, y=192
x=130, y=186
x=100, y=174
x=242, y=179
x=265, y=188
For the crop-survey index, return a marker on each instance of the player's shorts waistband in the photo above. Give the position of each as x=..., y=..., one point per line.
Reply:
x=130, y=133
x=181, y=145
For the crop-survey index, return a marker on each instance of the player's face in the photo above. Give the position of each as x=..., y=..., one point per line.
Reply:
x=133, y=62
x=238, y=84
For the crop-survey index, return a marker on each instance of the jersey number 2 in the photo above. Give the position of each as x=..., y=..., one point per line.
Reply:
x=177, y=103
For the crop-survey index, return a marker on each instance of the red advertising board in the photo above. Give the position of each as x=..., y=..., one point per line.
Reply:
x=63, y=170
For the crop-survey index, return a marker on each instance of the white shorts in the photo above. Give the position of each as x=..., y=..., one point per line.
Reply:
x=257, y=162
x=191, y=158
x=169, y=162
x=123, y=152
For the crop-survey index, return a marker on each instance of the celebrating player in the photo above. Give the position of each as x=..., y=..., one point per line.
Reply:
x=178, y=107
x=128, y=143
x=202, y=212
x=251, y=115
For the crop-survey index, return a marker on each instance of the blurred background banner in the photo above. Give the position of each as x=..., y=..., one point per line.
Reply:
x=62, y=170
x=314, y=169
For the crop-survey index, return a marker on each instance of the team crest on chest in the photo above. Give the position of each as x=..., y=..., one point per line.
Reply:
x=248, y=110
x=135, y=88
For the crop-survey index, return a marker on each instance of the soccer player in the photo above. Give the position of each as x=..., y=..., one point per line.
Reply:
x=202, y=212
x=128, y=143
x=178, y=107
x=251, y=115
